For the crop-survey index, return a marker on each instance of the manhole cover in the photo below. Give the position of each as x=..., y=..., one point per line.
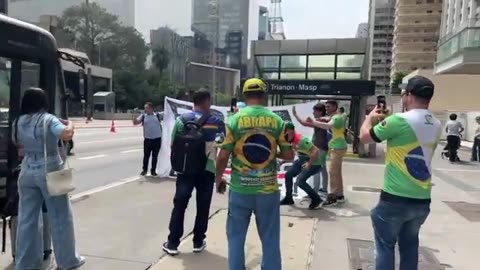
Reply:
x=366, y=189
x=361, y=256
x=470, y=211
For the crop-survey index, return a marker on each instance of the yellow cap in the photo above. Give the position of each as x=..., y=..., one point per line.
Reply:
x=252, y=85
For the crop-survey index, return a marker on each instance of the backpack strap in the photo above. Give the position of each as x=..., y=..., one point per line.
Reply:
x=202, y=120
x=185, y=118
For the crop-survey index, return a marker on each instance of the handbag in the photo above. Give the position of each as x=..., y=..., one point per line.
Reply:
x=59, y=182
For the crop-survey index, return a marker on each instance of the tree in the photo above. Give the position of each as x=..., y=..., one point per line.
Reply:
x=161, y=58
x=396, y=81
x=88, y=26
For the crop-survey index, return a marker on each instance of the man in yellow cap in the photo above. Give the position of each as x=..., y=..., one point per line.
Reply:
x=253, y=136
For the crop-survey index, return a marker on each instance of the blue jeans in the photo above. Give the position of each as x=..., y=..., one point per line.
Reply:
x=302, y=177
x=395, y=221
x=33, y=192
x=476, y=149
x=266, y=208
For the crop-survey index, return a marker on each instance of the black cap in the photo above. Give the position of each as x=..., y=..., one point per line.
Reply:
x=420, y=86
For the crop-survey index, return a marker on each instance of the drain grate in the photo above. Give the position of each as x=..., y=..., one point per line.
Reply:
x=366, y=189
x=361, y=256
x=470, y=211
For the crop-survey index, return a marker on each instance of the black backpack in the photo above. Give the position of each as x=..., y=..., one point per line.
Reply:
x=188, y=148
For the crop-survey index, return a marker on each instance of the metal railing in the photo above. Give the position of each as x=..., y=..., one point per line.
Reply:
x=467, y=38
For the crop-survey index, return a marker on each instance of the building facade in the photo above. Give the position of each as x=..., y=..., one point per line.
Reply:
x=362, y=30
x=263, y=24
x=234, y=18
x=179, y=49
x=416, y=33
x=380, y=33
x=459, y=44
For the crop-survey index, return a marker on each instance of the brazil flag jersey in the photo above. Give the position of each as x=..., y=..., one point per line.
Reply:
x=305, y=146
x=412, y=138
x=337, y=142
x=253, y=135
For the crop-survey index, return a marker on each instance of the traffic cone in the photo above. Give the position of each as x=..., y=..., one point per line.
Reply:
x=112, y=128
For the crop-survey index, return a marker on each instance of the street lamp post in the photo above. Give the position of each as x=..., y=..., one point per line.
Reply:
x=214, y=8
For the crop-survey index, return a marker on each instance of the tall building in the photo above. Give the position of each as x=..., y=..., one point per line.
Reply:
x=263, y=24
x=459, y=44
x=362, y=30
x=416, y=33
x=234, y=16
x=380, y=32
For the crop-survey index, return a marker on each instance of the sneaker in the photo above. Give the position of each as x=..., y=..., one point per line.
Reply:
x=154, y=174
x=143, y=173
x=331, y=200
x=170, y=250
x=341, y=199
x=315, y=205
x=199, y=248
x=287, y=201
x=47, y=254
x=322, y=191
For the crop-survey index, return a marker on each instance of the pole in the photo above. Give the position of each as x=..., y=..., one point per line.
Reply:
x=215, y=6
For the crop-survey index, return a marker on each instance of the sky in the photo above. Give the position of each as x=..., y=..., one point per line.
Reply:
x=304, y=19
x=309, y=19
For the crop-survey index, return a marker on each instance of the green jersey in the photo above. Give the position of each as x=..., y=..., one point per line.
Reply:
x=253, y=135
x=305, y=147
x=412, y=138
x=337, y=142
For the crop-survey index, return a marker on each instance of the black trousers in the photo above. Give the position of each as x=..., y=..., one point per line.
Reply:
x=203, y=183
x=453, y=143
x=151, y=147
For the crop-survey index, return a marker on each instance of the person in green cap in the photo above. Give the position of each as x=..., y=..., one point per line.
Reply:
x=309, y=163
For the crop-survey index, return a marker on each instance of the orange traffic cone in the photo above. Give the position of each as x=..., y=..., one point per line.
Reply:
x=112, y=128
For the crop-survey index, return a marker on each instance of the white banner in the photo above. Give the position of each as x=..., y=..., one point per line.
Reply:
x=174, y=108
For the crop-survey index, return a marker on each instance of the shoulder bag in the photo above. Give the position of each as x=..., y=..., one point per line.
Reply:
x=58, y=182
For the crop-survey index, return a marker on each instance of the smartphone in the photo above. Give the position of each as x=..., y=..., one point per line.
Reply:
x=382, y=102
x=233, y=105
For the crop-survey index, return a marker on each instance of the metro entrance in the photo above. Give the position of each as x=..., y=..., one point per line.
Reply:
x=319, y=69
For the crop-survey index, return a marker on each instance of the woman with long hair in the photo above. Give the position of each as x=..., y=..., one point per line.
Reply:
x=30, y=136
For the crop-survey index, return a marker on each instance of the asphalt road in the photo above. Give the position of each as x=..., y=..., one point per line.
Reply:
x=101, y=157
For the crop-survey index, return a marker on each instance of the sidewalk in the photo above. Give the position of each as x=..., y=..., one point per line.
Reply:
x=123, y=228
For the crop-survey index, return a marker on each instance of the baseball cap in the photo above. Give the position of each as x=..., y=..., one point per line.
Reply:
x=254, y=85
x=289, y=125
x=419, y=86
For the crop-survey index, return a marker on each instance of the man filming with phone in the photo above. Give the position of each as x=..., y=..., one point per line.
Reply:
x=404, y=205
x=252, y=137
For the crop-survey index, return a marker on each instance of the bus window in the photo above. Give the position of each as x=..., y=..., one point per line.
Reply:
x=30, y=76
x=4, y=90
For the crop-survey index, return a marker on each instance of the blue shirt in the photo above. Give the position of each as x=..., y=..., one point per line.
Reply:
x=152, y=128
x=30, y=137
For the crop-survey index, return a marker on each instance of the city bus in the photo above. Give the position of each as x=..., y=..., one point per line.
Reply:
x=28, y=58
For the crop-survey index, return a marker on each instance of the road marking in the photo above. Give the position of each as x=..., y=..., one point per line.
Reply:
x=82, y=195
x=131, y=151
x=92, y=157
x=111, y=140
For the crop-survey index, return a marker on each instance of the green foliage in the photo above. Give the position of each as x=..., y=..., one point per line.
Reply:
x=223, y=99
x=160, y=58
x=396, y=81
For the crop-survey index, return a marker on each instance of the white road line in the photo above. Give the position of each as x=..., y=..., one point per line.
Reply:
x=112, y=140
x=81, y=195
x=131, y=151
x=92, y=157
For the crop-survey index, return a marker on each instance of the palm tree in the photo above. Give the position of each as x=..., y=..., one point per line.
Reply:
x=161, y=58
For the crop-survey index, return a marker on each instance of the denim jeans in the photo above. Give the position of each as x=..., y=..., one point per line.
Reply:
x=302, y=177
x=203, y=183
x=266, y=208
x=29, y=251
x=397, y=221
x=476, y=149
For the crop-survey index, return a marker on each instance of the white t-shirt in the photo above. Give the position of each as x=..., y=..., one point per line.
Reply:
x=453, y=128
